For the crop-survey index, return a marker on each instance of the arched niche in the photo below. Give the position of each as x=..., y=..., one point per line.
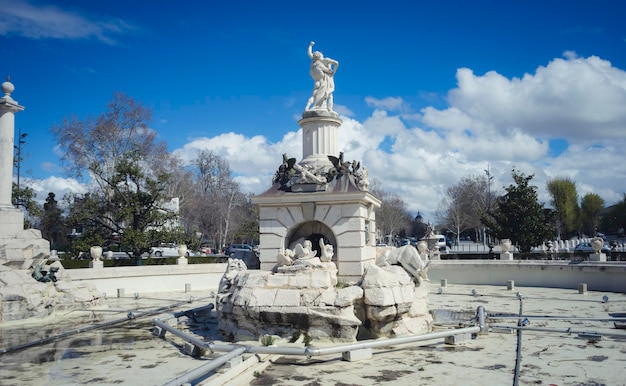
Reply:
x=313, y=231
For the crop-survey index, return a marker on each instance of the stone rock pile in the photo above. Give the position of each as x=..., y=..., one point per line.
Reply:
x=307, y=299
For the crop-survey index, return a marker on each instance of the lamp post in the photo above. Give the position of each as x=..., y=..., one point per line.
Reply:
x=18, y=161
x=489, y=178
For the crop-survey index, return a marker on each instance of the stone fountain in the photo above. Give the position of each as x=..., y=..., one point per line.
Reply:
x=321, y=273
x=30, y=284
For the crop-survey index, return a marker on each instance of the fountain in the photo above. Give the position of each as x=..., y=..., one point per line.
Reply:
x=321, y=273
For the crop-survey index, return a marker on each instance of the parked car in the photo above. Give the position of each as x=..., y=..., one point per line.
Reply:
x=250, y=258
x=231, y=249
x=166, y=250
x=587, y=248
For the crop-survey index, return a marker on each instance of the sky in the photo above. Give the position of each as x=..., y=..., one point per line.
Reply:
x=429, y=91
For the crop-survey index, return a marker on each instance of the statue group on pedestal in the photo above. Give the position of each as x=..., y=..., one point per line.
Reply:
x=322, y=71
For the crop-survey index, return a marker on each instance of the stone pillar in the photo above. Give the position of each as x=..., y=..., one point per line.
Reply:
x=18, y=247
x=8, y=108
x=11, y=219
x=319, y=137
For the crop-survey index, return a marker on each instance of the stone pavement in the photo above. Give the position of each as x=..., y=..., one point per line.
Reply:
x=128, y=353
x=548, y=358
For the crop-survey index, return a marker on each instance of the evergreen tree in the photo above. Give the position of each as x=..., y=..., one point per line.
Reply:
x=53, y=226
x=26, y=197
x=614, y=220
x=565, y=203
x=519, y=216
x=590, y=208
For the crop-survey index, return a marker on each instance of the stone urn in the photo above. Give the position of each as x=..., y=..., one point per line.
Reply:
x=182, y=250
x=596, y=244
x=95, y=252
x=505, y=244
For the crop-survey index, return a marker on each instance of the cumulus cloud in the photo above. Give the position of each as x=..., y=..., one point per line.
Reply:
x=19, y=17
x=58, y=185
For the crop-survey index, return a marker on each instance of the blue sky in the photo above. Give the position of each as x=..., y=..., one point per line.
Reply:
x=429, y=91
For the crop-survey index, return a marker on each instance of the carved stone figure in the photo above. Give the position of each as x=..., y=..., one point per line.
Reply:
x=233, y=268
x=44, y=276
x=327, y=251
x=409, y=258
x=284, y=258
x=322, y=71
x=304, y=250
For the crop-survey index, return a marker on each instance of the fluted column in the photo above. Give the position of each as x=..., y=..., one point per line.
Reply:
x=319, y=136
x=8, y=107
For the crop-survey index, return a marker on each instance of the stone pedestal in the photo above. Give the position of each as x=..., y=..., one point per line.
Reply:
x=319, y=137
x=597, y=257
x=506, y=256
x=96, y=264
x=182, y=261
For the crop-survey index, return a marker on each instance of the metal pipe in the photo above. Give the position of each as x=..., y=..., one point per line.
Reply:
x=310, y=351
x=480, y=315
x=206, y=368
x=558, y=330
x=518, y=357
x=53, y=338
x=192, y=312
x=549, y=317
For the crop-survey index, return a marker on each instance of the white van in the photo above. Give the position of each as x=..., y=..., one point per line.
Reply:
x=441, y=242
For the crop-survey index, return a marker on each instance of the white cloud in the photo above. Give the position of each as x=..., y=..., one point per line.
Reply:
x=20, y=17
x=59, y=186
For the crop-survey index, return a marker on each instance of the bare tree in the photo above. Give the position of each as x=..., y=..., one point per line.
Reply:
x=215, y=198
x=95, y=145
x=392, y=217
x=465, y=204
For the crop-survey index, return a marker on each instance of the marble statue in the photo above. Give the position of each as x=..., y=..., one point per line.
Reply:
x=304, y=250
x=409, y=258
x=284, y=258
x=322, y=71
x=328, y=251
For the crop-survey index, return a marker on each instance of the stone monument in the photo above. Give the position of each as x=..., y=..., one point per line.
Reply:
x=320, y=275
x=29, y=286
x=323, y=196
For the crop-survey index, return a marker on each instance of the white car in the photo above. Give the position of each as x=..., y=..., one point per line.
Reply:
x=166, y=250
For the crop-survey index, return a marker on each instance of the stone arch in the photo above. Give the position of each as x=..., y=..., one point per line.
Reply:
x=314, y=231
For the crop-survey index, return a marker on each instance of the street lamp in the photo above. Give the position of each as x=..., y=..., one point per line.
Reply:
x=489, y=178
x=18, y=161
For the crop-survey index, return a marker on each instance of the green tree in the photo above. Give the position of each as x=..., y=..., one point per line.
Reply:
x=135, y=210
x=27, y=201
x=565, y=203
x=129, y=171
x=591, y=206
x=519, y=216
x=53, y=226
x=614, y=220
